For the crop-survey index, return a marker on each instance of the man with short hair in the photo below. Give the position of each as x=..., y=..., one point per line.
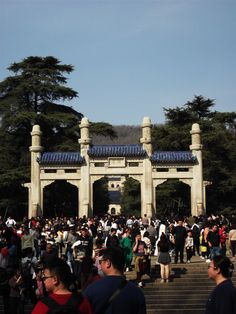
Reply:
x=213, y=239
x=49, y=255
x=180, y=234
x=84, y=244
x=112, y=239
x=57, y=279
x=113, y=294
x=222, y=299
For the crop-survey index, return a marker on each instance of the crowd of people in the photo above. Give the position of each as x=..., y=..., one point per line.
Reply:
x=61, y=256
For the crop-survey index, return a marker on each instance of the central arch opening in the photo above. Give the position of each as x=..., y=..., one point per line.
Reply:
x=131, y=197
x=100, y=196
x=173, y=198
x=60, y=199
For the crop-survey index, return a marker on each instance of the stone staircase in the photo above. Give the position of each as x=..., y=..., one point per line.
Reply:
x=186, y=293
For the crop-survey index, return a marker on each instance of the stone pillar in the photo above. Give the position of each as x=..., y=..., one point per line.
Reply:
x=205, y=184
x=147, y=200
x=28, y=186
x=146, y=138
x=84, y=192
x=35, y=150
x=197, y=201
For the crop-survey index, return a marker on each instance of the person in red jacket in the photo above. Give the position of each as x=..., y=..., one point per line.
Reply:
x=223, y=238
x=58, y=279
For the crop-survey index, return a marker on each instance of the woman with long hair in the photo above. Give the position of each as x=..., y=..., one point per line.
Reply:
x=164, y=257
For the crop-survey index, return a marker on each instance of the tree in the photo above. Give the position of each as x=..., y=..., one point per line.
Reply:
x=192, y=111
x=131, y=199
x=219, y=142
x=30, y=97
x=36, y=94
x=103, y=129
x=173, y=199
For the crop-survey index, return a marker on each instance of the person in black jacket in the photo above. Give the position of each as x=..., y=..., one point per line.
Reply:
x=213, y=239
x=112, y=239
x=113, y=294
x=222, y=299
x=49, y=255
x=180, y=234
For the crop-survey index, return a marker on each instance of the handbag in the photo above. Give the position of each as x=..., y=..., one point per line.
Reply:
x=203, y=248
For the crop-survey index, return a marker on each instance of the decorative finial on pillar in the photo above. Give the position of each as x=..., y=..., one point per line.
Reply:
x=196, y=137
x=146, y=135
x=36, y=139
x=84, y=140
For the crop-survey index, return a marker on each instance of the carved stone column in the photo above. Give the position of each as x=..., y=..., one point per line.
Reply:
x=197, y=203
x=35, y=149
x=84, y=192
x=147, y=183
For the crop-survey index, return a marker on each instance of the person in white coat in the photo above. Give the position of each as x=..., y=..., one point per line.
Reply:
x=162, y=229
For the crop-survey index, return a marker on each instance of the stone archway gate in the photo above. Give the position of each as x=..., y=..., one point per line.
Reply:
x=93, y=162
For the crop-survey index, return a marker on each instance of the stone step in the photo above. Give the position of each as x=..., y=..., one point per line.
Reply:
x=171, y=299
x=176, y=311
x=180, y=306
x=186, y=293
x=174, y=292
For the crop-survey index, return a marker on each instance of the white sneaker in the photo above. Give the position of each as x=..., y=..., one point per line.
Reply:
x=140, y=284
x=208, y=260
x=162, y=280
x=188, y=262
x=127, y=269
x=201, y=257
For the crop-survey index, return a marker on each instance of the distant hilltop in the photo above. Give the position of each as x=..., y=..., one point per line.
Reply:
x=126, y=134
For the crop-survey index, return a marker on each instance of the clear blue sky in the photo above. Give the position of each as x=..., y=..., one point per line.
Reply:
x=131, y=57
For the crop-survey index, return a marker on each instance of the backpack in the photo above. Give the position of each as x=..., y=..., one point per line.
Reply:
x=71, y=307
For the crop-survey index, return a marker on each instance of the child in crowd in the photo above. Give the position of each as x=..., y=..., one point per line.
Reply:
x=189, y=246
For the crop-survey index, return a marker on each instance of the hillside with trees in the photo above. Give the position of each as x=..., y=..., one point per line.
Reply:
x=125, y=134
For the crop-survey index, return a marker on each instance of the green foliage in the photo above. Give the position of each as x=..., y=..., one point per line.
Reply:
x=131, y=200
x=219, y=147
x=35, y=94
x=191, y=112
x=173, y=199
x=103, y=129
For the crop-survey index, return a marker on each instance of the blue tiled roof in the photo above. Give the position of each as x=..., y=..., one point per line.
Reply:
x=74, y=158
x=174, y=156
x=116, y=151
x=61, y=158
